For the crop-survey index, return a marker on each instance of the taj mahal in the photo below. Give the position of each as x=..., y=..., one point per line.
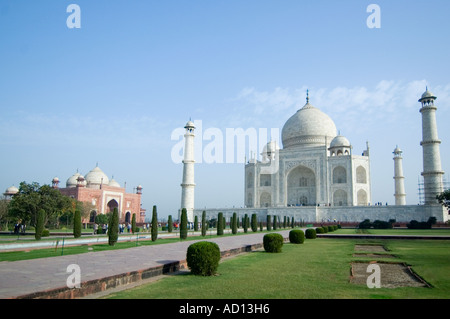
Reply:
x=316, y=176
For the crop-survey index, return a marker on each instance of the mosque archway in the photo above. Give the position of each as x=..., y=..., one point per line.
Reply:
x=361, y=175
x=340, y=198
x=92, y=216
x=339, y=175
x=265, y=200
x=128, y=217
x=301, y=186
x=112, y=204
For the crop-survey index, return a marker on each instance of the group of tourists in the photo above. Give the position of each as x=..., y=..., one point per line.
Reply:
x=104, y=228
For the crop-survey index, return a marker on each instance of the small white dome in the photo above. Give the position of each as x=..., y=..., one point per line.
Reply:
x=189, y=124
x=11, y=190
x=113, y=183
x=340, y=141
x=96, y=177
x=427, y=95
x=270, y=147
x=72, y=180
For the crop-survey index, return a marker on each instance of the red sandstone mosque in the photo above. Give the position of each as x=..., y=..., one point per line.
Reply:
x=104, y=194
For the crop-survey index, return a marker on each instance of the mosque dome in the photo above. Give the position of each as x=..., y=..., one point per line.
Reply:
x=113, y=183
x=309, y=126
x=72, y=180
x=96, y=177
x=11, y=190
x=340, y=141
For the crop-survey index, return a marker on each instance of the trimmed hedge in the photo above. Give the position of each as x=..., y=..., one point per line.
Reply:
x=203, y=258
x=319, y=230
x=310, y=233
x=273, y=243
x=296, y=236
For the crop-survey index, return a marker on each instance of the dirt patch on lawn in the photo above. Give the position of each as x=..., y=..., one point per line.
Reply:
x=392, y=275
x=371, y=248
x=374, y=255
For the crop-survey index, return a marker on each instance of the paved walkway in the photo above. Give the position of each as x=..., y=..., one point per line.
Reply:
x=47, y=277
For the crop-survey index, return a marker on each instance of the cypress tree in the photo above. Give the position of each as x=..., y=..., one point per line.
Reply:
x=196, y=223
x=292, y=222
x=113, y=227
x=183, y=224
x=269, y=222
x=154, y=224
x=204, y=225
x=39, y=224
x=220, y=224
x=275, y=222
x=254, y=223
x=170, y=224
x=245, y=223
x=284, y=222
x=133, y=224
x=234, y=224
x=77, y=224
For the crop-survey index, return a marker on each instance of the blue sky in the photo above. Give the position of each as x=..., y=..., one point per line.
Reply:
x=114, y=90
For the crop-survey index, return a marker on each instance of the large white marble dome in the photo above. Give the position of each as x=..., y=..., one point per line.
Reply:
x=309, y=126
x=96, y=177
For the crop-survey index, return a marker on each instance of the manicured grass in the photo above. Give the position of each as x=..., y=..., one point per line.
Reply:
x=396, y=231
x=317, y=269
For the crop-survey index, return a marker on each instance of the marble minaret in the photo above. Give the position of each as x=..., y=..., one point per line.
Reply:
x=400, y=196
x=188, y=185
x=432, y=171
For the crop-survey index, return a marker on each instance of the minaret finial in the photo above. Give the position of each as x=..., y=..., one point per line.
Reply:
x=307, y=96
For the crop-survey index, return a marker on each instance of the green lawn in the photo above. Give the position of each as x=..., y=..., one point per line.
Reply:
x=317, y=269
x=396, y=231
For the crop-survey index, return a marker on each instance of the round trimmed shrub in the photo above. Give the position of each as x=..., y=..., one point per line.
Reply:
x=203, y=258
x=319, y=230
x=330, y=229
x=325, y=229
x=296, y=236
x=310, y=233
x=273, y=243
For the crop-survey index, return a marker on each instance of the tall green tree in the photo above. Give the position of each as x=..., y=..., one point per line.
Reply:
x=113, y=227
x=195, y=223
x=170, y=224
x=77, y=224
x=133, y=224
x=275, y=220
x=444, y=199
x=234, y=224
x=220, y=224
x=40, y=223
x=245, y=223
x=254, y=223
x=183, y=224
x=31, y=198
x=154, y=224
x=269, y=223
x=204, y=224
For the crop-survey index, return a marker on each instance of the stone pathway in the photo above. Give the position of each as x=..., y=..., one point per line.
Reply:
x=99, y=271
